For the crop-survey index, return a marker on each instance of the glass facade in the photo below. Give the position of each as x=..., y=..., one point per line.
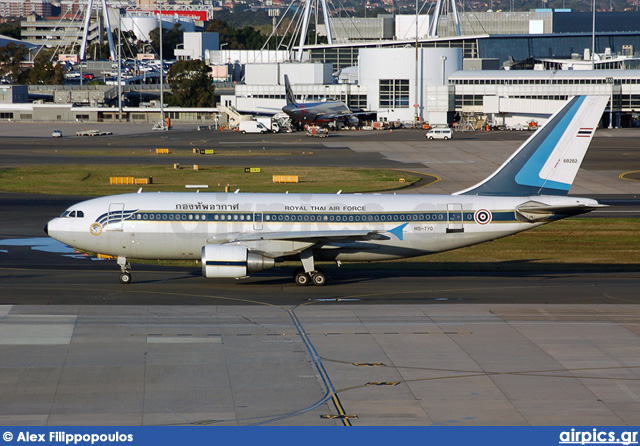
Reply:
x=394, y=93
x=347, y=56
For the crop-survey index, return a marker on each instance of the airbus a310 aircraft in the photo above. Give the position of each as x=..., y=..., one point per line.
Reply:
x=318, y=113
x=235, y=235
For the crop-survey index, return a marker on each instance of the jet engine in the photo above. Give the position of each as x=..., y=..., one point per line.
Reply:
x=232, y=261
x=353, y=121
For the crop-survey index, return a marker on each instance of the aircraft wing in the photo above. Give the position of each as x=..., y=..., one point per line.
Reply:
x=313, y=236
x=280, y=244
x=341, y=115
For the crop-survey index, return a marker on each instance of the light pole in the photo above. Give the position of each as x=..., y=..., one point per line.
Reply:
x=416, y=105
x=593, y=35
x=161, y=74
x=119, y=68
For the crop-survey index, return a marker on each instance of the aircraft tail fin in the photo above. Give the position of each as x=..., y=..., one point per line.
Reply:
x=291, y=99
x=547, y=162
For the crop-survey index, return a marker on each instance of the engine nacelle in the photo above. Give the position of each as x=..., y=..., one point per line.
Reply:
x=232, y=261
x=354, y=121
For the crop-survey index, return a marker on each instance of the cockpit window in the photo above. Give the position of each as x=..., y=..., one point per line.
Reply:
x=72, y=214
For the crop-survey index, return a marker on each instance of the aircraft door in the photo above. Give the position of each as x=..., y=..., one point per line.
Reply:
x=257, y=221
x=454, y=218
x=115, y=217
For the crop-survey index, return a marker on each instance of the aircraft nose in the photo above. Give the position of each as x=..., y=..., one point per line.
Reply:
x=50, y=228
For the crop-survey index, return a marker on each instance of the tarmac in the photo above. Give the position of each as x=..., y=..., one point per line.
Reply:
x=375, y=347
x=320, y=365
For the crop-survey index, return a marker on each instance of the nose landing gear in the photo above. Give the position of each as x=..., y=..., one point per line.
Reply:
x=125, y=275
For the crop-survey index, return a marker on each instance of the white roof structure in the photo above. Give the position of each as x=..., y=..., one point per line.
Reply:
x=546, y=74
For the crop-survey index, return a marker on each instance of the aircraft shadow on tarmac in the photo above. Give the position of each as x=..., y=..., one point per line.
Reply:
x=360, y=273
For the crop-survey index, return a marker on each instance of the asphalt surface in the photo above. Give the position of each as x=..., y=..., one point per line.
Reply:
x=617, y=149
x=386, y=344
x=232, y=148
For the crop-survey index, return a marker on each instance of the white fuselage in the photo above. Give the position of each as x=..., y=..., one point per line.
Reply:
x=178, y=225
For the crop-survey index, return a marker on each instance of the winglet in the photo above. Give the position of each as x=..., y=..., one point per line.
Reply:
x=547, y=163
x=291, y=99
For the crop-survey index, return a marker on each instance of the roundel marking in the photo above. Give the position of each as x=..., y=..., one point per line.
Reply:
x=482, y=217
x=96, y=228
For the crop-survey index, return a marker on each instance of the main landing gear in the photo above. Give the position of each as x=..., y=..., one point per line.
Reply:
x=125, y=275
x=303, y=278
x=308, y=274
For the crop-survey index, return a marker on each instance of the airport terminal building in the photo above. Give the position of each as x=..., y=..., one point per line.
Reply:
x=452, y=77
x=471, y=79
x=443, y=92
x=511, y=97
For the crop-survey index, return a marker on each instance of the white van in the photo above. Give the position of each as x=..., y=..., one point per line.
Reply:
x=252, y=127
x=439, y=133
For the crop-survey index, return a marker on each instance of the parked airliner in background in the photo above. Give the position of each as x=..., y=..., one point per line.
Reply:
x=318, y=113
x=235, y=235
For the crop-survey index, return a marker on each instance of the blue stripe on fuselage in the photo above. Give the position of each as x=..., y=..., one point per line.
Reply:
x=499, y=216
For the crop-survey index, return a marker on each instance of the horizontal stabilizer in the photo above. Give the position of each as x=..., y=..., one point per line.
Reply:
x=533, y=211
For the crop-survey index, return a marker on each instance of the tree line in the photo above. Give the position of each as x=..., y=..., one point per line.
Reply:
x=19, y=65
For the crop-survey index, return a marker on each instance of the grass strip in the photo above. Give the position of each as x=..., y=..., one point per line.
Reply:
x=94, y=179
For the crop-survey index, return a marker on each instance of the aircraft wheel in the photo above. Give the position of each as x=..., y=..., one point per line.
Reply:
x=301, y=278
x=125, y=278
x=318, y=278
